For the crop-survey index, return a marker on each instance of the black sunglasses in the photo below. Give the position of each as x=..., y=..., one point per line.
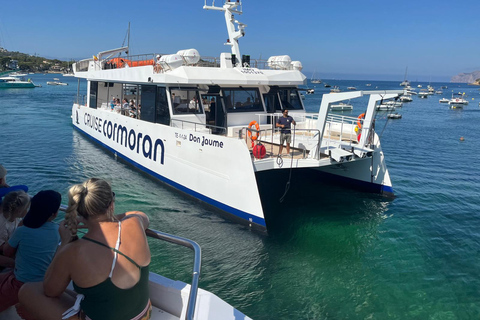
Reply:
x=113, y=199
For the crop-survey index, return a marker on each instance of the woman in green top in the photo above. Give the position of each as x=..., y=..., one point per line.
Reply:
x=108, y=266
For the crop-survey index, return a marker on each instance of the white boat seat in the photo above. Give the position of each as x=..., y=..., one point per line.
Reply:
x=159, y=314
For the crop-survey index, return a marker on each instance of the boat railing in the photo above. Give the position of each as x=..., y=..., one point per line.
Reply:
x=80, y=99
x=197, y=260
x=149, y=59
x=197, y=126
x=301, y=139
x=82, y=65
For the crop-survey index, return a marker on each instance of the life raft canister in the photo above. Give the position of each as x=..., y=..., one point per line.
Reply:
x=253, y=136
x=359, y=120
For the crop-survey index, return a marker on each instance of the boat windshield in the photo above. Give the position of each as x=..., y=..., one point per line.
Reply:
x=185, y=100
x=290, y=99
x=242, y=99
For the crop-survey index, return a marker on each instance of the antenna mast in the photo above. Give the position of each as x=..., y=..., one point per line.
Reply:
x=229, y=7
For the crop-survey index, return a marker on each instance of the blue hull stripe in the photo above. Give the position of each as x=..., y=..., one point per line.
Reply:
x=241, y=214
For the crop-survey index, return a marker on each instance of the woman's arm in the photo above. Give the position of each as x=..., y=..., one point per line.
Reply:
x=58, y=276
x=142, y=217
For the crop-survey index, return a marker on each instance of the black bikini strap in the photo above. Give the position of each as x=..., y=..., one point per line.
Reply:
x=115, y=250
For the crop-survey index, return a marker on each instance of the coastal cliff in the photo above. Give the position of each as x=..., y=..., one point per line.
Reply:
x=472, y=77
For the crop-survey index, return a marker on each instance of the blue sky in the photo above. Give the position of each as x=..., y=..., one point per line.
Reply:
x=344, y=39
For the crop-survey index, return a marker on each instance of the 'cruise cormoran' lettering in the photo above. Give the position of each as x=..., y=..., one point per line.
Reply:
x=137, y=142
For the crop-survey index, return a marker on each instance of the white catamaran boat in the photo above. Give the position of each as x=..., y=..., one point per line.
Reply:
x=206, y=126
x=10, y=82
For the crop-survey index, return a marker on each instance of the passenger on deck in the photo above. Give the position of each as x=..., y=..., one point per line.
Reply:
x=118, y=106
x=193, y=105
x=133, y=109
x=33, y=245
x=285, y=122
x=125, y=107
x=109, y=265
x=158, y=67
x=13, y=209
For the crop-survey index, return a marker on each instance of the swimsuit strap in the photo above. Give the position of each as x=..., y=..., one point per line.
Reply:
x=114, y=250
x=117, y=245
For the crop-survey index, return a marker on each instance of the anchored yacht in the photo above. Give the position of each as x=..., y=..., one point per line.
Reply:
x=206, y=125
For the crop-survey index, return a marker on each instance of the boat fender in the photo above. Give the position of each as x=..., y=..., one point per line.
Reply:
x=359, y=120
x=253, y=135
x=359, y=136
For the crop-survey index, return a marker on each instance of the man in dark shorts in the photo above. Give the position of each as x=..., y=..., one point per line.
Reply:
x=285, y=123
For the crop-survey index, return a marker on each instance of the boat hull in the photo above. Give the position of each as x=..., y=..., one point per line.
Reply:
x=17, y=85
x=214, y=169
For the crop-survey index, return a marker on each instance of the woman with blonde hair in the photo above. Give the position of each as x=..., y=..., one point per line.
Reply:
x=108, y=265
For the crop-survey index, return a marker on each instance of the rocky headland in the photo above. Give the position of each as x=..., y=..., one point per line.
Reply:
x=471, y=78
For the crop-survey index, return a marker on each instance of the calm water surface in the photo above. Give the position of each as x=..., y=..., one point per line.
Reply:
x=334, y=253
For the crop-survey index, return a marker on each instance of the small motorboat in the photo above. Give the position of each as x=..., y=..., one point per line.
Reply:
x=423, y=94
x=310, y=91
x=394, y=104
x=341, y=106
x=335, y=89
x=406, y=98
x=57, y=83
x=384, y=107
x=394, y=116
x=444, y=100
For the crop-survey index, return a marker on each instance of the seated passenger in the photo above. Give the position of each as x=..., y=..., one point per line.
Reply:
x=125, y=107
x=13, y=209
x=118, y=106
x=108, y=266
x=33, y=245
x=158, y=67
x=193, y=105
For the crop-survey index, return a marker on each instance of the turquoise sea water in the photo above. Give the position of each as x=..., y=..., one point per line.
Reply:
x=334, y=253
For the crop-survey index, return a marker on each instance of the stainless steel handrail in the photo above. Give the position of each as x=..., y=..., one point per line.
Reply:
x=192, y=298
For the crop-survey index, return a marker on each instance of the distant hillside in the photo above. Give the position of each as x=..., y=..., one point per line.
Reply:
x=31, y=63
x=472, y=77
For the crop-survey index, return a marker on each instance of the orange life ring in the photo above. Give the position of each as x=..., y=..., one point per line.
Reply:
x=256, y=134
x=359, y=120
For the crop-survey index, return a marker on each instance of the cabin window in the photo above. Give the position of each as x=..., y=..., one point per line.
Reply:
x=290, y=99
x=186, y=101
x=93, y=94
x=148, y=103
x=242, y=100
x=272, y=102
x=162, y=112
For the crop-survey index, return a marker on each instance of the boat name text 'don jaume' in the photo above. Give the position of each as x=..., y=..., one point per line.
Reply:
x=135, y=141
x=202, y=140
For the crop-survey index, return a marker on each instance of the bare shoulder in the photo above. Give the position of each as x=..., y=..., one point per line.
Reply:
x=137, y=217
